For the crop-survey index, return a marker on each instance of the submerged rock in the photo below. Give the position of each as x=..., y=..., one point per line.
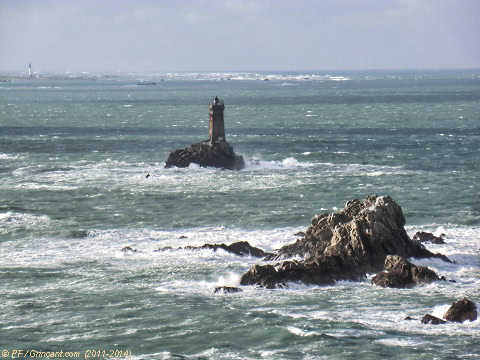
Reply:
x=342, y=246
x=422, y=236
x=433, y=320
x=207, y=154
x=240, y=248
x=226, y=290
x=461, y=311
x=128, y=249
x=403, y=274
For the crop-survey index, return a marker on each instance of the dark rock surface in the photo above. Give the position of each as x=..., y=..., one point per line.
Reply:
x=226, y=290
x=300, y=234
x=218, y=154
x=342, y=246
x=422, y=236
x=461, y=311
x=128, y=249
x=403, y=274
x=430, y=319
x=240, y=248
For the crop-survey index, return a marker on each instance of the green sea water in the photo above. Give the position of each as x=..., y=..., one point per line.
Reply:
x=74, y=155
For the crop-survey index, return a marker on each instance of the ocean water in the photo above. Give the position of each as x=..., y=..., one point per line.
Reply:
x=74, y=155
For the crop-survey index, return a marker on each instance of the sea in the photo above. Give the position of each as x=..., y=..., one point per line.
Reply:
x=74, y=158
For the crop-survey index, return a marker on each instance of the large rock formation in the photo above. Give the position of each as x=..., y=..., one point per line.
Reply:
x=403, y=274
x=207, y=154
x=461, y=311
x=342, y=246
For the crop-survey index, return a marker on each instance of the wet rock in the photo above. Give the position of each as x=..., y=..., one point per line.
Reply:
x=183, y=237
x=316, y=271
x=300, y=234
x=461, y=311
x=128, y=249
x=342, y=246
x=433, y=320
x=409, y=318
x=218, y=154
x=403, y=274
x=166, y=248
x=240, y=248
x=264, y=275
x=422, y=236
x=226, y=290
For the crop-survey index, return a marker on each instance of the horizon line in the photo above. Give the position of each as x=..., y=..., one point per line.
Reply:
x=236, y=71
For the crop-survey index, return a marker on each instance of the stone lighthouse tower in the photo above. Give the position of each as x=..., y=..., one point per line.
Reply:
x=216, y=130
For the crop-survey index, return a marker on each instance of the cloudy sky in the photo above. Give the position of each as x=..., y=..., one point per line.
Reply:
x=222, y=35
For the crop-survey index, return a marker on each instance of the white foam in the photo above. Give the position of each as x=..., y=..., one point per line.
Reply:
x=299, y=332
x=13, y=221
x=398, y=342
x=4, y=156
x=287, y=163
x=284, y=78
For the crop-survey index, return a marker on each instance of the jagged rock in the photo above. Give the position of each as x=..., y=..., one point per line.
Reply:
x=422, y=236
x=324, y=270
x=128, y=249
x=342, y=246
x=226, y=290
x=403, y=274
x=240, y=248
x=461, y=311
x=218, y=154
x=433, y=320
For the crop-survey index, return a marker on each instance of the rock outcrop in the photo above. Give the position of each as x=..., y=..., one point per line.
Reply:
x=127, y=249
x=461, y=311
x=422, y=236
x=218, y=154
x=240, y=248
x=433, y=320
x=342, y=246
x=226, y=290
x=403, y=274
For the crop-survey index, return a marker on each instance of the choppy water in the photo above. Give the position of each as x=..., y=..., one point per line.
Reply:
x=73, y=192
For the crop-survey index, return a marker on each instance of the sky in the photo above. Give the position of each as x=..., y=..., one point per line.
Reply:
x=238, y=35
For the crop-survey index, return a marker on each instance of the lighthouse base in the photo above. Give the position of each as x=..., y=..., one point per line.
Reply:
x=218, y=154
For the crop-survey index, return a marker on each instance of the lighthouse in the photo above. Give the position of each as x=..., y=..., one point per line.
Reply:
x=216, y=131
x=29, y=69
